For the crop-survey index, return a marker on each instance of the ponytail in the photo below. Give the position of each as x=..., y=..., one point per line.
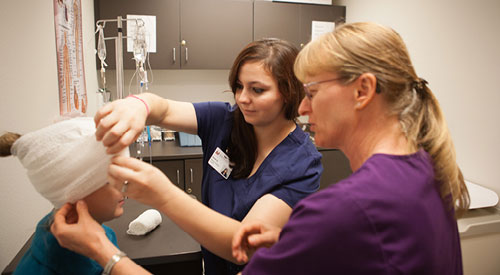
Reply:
x=426, y=128
x=6, y=142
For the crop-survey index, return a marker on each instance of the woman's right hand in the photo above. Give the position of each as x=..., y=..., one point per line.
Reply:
x=146, y=183
x=76, y=230
x=120, y=123
x=252, y=236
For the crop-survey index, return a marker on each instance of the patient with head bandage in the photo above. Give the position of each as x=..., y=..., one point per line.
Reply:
x=65, y=163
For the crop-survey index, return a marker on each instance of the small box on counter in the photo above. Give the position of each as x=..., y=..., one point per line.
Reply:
x=186, y=139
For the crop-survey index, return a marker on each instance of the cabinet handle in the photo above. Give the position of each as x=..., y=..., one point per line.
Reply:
x=173, y=55
x=189, y=190
x=178, y=183
x=191, y=171
x=183, y=44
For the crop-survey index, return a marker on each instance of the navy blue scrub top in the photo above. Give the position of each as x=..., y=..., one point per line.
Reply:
x=290, y=172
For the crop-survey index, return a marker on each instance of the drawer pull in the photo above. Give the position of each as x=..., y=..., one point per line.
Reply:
x=178, y=181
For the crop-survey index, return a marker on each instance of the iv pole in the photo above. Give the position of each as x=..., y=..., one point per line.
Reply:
x=119, y=63
x=118, y=49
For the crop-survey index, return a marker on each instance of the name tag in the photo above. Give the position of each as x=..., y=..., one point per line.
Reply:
x=220, y=162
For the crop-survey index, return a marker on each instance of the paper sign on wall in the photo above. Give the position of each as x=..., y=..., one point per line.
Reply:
x=149, y=24
x=321, y=27
x=321, y=2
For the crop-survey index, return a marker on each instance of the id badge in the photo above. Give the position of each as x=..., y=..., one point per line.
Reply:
x=220, y=162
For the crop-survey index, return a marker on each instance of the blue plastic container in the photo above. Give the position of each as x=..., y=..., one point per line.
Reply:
x=188, y=140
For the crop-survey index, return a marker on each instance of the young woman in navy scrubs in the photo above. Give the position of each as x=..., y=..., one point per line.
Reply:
x=257, y=164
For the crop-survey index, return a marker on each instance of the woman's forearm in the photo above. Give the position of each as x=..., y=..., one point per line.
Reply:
x=212, y=230
x=171, y=114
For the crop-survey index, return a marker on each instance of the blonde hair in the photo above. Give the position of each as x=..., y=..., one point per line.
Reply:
x=357, y=48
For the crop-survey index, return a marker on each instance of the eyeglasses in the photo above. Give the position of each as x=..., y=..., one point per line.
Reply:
x=307, y=85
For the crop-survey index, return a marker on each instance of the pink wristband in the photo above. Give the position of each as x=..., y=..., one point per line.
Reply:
x=145, y=104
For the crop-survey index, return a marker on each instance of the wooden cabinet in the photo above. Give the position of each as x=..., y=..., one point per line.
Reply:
x=193, y=171
x=213, y=32
x=184, y=165
x=173, y=169
x=185, y=173
x=208, y=34
x=167, y=54
x=279, y=20
x=190, y=34
x=290, y=21
x=335, y=167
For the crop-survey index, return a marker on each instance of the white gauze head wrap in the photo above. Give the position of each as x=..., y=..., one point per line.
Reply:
x=65, y=163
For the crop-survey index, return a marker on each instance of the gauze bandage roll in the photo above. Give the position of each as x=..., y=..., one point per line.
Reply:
x=145, y=223
x=64, y=161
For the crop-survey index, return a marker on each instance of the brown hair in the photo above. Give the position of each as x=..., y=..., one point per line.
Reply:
x=6, y=142
x=278, y=57
x=357, y=48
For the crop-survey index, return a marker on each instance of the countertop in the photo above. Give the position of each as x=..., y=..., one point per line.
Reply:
x=170, y=150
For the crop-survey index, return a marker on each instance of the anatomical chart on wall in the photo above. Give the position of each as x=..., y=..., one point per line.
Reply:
x=70, y=67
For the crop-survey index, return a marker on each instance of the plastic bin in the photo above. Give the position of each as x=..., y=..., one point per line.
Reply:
x=188, y=140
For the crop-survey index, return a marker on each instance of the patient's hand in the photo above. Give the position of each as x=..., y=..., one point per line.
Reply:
x=252, y=236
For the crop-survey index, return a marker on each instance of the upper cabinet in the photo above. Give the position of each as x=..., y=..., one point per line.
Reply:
x=167, y=54
x=209, y=34
x=290, y=21
x=190, y=34
x=213, y=32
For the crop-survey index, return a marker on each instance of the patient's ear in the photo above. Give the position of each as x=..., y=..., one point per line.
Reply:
x=365, y=89
x=72, y=216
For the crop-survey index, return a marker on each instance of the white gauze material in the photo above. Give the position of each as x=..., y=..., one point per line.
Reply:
x=64, y=161
x=145, y=223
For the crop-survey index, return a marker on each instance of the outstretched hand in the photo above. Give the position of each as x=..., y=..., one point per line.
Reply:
x=252, y=236
x=145, y=183
x=120, y=123
x=76, y=230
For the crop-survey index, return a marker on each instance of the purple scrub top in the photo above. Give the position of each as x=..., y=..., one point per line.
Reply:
x=386, y=218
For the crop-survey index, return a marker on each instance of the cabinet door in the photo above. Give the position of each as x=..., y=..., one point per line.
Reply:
x=309, y=13
x=214, y=32
x=194, y=175
x=173, y=169
x=335, y=167
x=279, y=20
x=167, y=54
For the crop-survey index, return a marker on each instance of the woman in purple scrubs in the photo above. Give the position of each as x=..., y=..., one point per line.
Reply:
x=396, y=214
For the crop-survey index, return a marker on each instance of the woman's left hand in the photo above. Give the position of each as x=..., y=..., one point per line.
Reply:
x=252, y=236
x=145, y=183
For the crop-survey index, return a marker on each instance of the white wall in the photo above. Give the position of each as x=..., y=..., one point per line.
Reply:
x=28, y=76
x=30, y=101
x=454, y=45
x=182, y=85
